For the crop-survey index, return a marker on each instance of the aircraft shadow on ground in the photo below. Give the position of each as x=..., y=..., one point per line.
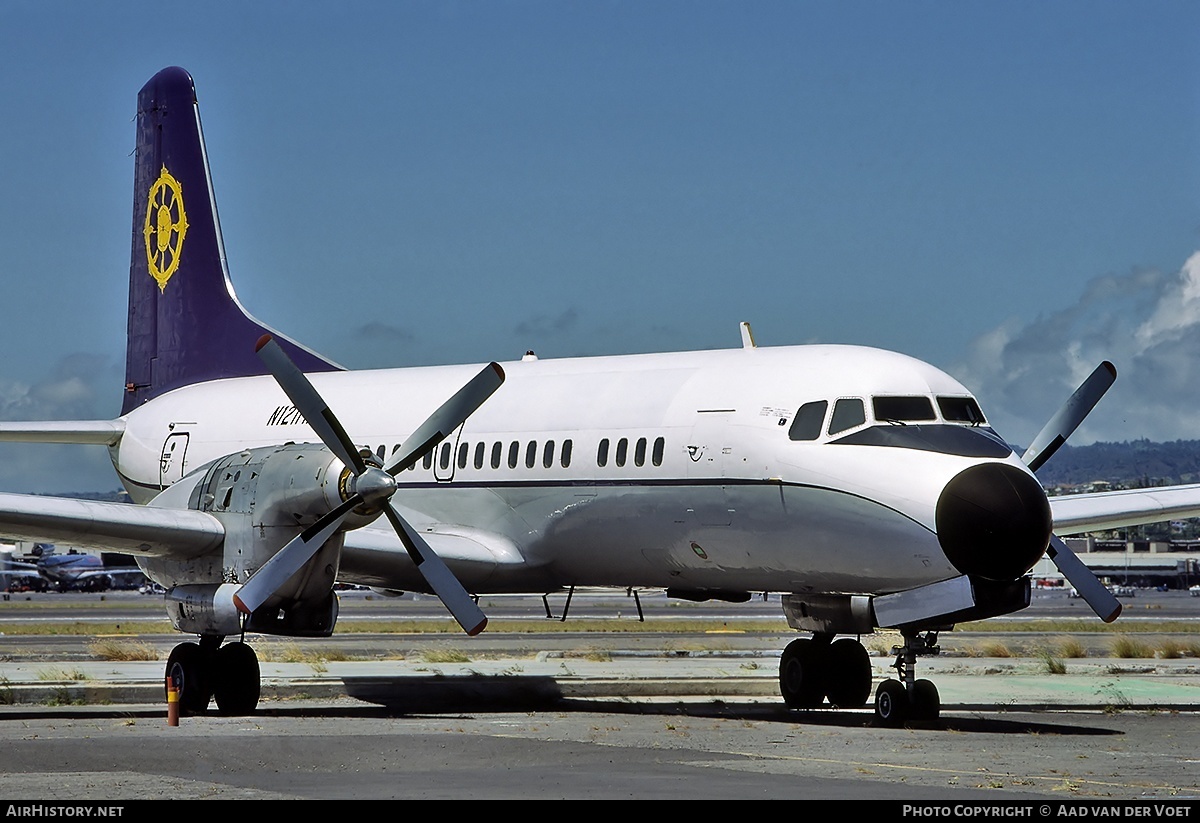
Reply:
x=485, y=694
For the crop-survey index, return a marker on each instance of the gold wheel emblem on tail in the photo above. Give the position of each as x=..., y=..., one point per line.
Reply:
x=166, y=225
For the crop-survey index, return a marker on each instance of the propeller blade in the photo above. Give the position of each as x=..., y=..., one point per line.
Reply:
x=309, y=403
x=443, y=582
x=1068, y=418
x=288, y=560
x=449, y=416
x=1095, y=593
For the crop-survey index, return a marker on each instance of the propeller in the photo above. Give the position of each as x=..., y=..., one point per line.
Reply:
x=370, y=488
x=1068, y=418
x=1103, y=602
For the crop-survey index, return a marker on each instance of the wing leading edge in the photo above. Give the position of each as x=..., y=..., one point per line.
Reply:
x=1096, y=511
x=103, y=526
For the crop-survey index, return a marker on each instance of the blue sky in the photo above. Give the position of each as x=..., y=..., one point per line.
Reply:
x=1010, y=191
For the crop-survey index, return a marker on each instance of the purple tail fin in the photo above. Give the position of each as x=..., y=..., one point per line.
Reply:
x=185, y=323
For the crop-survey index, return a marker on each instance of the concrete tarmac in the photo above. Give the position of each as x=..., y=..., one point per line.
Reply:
x=676, y=725
x=604, y=715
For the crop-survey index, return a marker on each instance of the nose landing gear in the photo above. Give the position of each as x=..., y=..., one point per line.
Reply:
x=906, y=698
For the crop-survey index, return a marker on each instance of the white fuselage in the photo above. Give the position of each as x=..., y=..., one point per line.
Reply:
x=680, y=470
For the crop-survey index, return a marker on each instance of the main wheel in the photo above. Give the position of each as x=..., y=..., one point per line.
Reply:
x=848, y=674
x=800, y=675
x=236, y=684
x=187, y=669
x=926, y=704
x=891, y=703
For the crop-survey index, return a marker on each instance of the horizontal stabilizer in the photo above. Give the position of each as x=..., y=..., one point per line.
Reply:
x=94, y=432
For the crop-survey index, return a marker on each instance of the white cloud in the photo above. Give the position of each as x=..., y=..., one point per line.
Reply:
x=1145, y=322
x=79, y=387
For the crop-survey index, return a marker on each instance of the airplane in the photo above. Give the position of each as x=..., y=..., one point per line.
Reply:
x=19, y=575
x=865, y=487
x=71, y=570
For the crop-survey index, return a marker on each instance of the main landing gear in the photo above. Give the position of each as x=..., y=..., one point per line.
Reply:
x=819, y=669
x=206, y=670
x=813, y=671
x=906, y=698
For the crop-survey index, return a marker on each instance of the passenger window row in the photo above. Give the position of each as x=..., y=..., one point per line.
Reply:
x=531, y=454
x=621, y=455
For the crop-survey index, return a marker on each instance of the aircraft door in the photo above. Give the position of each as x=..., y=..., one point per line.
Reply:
x=174, y=456
x=445, y=456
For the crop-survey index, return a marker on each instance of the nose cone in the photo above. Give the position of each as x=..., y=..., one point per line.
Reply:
x=993, y=521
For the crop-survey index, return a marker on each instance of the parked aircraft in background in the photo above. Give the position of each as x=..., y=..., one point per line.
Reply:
x=72, y=570
x=865, y=487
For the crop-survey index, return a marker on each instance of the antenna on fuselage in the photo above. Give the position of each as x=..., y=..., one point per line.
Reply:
x=747, y=336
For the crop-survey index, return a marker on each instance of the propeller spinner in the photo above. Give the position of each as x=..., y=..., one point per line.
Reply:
x=369, y=488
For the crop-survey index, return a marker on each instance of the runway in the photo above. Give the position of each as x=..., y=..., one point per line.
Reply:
x=698, y=718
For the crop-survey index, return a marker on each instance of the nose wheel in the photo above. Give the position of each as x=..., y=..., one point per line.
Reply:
x=905, y=697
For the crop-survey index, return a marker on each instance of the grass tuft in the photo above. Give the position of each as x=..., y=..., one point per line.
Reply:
x=108, y=648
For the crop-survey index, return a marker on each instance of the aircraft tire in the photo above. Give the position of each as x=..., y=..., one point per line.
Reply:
x=891, y=703
x=801, y=678
x=926, y=703
x=848, y=668
x=237, y=684
x=187, y=667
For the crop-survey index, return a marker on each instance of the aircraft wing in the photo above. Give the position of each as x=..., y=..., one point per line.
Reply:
x=1096, y=511
x=115, y=527
x=369, y=557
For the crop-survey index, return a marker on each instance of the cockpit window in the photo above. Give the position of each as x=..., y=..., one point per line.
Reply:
x=902, y=409
x=808, y=422
x=961, y=440
x=961, y=410
x=847, y=413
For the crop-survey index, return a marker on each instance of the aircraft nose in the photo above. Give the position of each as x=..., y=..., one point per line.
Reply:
x=993, y=521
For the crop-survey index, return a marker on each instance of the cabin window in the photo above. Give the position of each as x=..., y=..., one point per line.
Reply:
x=497, y=453
x=807, y=425
x=565, y=456
x=602, y=453
x=961, y=410
x=847, y=413
x=902, y=409
x=622, y=451
x=444, y=459
x=548, y=454
x=657, y=455
x=639, y=452
x=428, y=461
x=479, y=450
x=531, y=454
x=514, y=452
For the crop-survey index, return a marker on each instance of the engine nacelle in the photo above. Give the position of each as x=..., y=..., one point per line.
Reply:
x=204, y=609
x=264, y=497
x=209, y=609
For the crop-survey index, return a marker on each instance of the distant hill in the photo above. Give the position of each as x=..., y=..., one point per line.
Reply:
x=1136, y=463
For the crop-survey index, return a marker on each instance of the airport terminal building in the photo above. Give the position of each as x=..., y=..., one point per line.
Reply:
x=1137, y=563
